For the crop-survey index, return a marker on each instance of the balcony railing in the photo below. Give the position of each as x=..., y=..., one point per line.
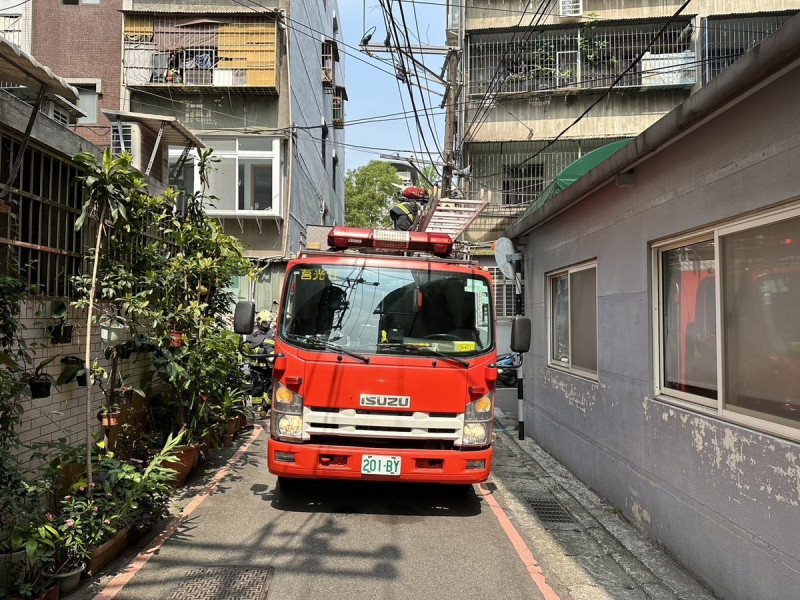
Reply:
x=219, y=51
x=586, y=57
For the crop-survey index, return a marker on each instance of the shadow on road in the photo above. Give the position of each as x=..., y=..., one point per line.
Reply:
x=372, y=498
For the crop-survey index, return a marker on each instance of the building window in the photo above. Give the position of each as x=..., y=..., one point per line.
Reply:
x=11, y=27
x=87, y=101
x=745, y=366
x=37, y=218
x=520, y=183
x=324, y=145
x=244, y=181
x=504, y=291
x=573, y=319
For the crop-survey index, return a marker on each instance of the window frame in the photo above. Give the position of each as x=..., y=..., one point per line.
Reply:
x=552, y=361
x=719, y=407
x=236, y=153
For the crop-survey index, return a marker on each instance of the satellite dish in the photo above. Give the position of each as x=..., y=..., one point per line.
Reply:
x=503, y=252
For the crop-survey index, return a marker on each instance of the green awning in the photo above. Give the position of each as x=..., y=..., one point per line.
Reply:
x=575, y=171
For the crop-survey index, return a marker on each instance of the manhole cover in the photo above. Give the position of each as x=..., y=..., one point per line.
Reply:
x=224, y=583
x=549, y=510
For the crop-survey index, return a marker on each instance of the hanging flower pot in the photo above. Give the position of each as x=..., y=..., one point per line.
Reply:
x=108, y=419
x=112, y=334
x=60, y=333
x=177, y=339
x=40, y=388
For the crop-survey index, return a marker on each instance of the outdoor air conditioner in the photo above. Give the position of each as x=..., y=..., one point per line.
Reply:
x=327, y=75
x=570, y=8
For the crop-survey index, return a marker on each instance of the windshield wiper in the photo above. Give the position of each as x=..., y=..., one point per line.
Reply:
x=426, y=351
x=316, y=342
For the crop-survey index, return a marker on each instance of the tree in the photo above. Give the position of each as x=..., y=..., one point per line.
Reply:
x=368, y=194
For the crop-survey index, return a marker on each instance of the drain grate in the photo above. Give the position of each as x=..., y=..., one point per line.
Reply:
x=549, y=510
x=224, y=583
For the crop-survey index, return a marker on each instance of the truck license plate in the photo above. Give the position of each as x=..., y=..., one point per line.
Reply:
x=380, y=465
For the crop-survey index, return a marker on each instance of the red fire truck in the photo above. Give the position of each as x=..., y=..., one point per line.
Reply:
x=384, y=364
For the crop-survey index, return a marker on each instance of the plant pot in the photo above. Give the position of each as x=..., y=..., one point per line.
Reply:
x=51, y=593
x=68, y=581
x=102, y=555
x=227, y=440
x=40, y=388
x=125, y=350
x=108, y=419
x=82, y=379
x=183, y=464
x=60, y=333
x=112, y=335
x=176, y=339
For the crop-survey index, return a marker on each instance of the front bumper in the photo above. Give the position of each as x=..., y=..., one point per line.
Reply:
x=312, y=461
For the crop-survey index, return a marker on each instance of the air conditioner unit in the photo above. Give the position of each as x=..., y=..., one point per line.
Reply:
x=327, y=75
x=570, y=8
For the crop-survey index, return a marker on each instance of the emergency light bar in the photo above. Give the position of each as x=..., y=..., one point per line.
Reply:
x=342, y=238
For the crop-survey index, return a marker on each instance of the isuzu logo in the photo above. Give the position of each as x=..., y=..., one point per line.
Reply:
x=385, y=401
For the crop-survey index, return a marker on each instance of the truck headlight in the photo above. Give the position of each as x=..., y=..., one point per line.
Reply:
x=286, y=401
x=476, y=434
x=290, y=426
x=479, y=410
x=478, y=422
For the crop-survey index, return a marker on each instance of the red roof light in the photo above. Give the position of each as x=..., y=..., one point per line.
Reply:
x=341, y=238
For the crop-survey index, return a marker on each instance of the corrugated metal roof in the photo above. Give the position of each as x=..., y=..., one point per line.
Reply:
x=21, y=68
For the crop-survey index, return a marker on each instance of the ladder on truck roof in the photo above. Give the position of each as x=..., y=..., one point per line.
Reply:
x=451, y=215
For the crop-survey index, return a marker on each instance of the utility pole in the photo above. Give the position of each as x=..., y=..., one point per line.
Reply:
x=450, y=99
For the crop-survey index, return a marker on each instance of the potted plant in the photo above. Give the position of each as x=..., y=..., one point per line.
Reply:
x=72, y=370
x=60, y=332
x=41, y=381
x=113, y=329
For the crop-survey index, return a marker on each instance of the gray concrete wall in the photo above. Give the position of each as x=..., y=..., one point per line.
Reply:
x=722, y=498
x=311, y=178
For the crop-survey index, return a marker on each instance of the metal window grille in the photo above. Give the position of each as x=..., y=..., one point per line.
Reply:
x=235, y=52
x=37, y=219
x=570, y=8
x=504, y=291
x=522, y=182
x=338, y=108
x=725, y=39
x=11, y=27
x=506, y=169
x=586, y=56
x=330, y=56
x=127, y=139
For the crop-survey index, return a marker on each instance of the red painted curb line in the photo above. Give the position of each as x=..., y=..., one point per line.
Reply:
x=525, y=555
x=116, y=585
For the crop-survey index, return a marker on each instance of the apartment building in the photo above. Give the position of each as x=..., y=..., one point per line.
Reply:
x=260, y=85
x=545, y=83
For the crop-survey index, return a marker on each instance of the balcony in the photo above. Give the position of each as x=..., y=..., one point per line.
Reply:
x=587, y=57
x=200, y=54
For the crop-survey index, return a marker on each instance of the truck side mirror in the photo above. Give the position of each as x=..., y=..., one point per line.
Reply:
x=245, y=317
x=520, y=334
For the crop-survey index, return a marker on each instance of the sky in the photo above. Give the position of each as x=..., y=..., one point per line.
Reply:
x=374, y=91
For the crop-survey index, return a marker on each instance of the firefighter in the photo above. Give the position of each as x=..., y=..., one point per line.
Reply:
x=403, y=214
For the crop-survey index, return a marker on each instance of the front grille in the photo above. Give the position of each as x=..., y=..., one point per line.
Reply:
x=383, y=424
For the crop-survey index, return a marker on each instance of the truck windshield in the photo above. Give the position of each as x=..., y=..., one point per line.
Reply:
x=378, y=310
